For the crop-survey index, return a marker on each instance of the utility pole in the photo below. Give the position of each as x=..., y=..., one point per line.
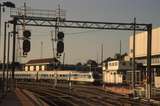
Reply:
x=133, y=58
x=53, y=41
x=63, y=58
x=19, y=49
x=120, y=48
x=56, y=32
x=97, y=59
x=24, y=16
x=4, y=59
x=41, y=50
x=13, y=53
x=101, y=54
x=0, y=25
x=149, y=54
x=8, y=55
x=10, y=5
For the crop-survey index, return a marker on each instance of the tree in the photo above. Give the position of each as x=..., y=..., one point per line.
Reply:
x=92, y=63
x=79, y=64
x=117, y=56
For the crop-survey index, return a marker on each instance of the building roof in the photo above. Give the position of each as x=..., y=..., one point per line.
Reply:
x=42, y=61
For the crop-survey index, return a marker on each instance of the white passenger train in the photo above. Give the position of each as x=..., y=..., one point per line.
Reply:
x=74, y=76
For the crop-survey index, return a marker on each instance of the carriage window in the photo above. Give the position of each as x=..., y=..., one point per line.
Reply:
x=112, y=64
x=89, y=76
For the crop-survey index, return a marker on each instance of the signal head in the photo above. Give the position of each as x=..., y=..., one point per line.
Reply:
x=60, y=46
x=60, y=35
x=26, y=46
x=26, y=33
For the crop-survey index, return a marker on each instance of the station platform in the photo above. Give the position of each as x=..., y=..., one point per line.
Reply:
x=21, y=97
x=10, y=100
x=16, y=98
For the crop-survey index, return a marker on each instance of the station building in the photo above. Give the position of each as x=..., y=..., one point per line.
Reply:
x=38, y=64
x=141, y=47
x=115, y=72
x=119, y=72
x=141, y=51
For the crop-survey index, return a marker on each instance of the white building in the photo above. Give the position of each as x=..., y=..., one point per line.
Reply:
x=115, y=73
x=120, y=72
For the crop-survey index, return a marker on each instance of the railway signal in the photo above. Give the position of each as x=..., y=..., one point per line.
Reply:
x=60, y=43
x=26, y=42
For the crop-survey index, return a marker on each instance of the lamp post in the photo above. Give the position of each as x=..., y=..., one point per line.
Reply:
x=8, y=64
x=4, y=60
x=10, y=5
x=4, y=4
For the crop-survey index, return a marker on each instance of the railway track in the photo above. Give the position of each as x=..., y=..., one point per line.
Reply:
x=79, y=95
x=54, y=96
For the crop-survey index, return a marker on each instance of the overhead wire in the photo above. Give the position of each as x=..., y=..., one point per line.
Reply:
x=82, y=32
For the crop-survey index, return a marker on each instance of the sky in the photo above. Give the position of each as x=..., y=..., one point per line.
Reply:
x=84, y=44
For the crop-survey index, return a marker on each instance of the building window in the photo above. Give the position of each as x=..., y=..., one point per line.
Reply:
x=37, y=68
x=112, y=64
x=31, y=68
x=116, y=63
x=153, y=60
x=43, y=68
x=158, y=60
x=26, y=68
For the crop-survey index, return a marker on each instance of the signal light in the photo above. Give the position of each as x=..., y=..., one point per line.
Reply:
x=60, y=35
x=60, y=46
x=26, y=46
x=27, y=34
x=26, y=42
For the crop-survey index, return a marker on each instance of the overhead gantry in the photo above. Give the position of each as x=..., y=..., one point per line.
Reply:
x=63, y=23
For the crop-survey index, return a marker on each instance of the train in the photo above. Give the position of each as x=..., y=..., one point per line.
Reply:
x=49, y=76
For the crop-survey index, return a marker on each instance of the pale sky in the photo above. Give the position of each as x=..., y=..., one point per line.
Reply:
x=87, y=45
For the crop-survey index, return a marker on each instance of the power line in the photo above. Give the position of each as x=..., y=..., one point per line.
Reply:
x=89, y=31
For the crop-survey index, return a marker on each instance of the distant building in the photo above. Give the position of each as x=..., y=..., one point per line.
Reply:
x=141, y=47
x=38, y=64
x=119, y=72
x=141, y=52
